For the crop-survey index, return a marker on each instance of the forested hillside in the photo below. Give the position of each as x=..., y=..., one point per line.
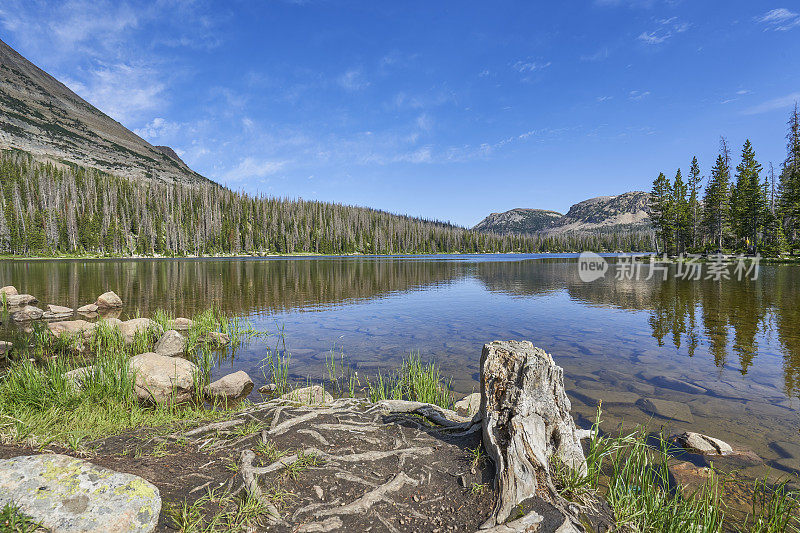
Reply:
x=66, y=209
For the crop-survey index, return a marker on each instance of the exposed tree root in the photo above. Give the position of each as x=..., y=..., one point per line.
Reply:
x=251, y=485
x=363, y=504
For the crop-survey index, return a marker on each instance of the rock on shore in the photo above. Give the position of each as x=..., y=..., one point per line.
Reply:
x=161, y=379
x=108, y=300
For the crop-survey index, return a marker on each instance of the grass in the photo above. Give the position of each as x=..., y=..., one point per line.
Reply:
x=414, y=381
x=39, y=404
x=234, y=513
x=340, y=375
x=12, y=520
x=631, y=471
x=275, y=366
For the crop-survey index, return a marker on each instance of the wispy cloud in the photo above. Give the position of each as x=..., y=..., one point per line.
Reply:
x=600, y=55
x=528, y=66
x=668, y=28
x=158, y=129
x=603, y=98
x=638, y=95
x=775, y=104
x=250, y=167
x=780, y=19
x=353, y=80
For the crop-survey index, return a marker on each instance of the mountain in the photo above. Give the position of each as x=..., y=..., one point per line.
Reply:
x=43, y=117
x=625, y=212
x=518, y=221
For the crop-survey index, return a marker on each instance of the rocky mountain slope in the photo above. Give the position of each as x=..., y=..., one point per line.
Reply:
x=40, y=115
x=625, y=212
x=518, y=220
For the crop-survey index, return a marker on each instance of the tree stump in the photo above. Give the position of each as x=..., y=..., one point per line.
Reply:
x=526, y=423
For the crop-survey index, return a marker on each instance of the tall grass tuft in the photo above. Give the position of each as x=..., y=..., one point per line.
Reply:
x=415, y=381
x=275, y=366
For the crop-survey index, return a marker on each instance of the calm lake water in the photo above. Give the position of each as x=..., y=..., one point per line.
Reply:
x=728, y=350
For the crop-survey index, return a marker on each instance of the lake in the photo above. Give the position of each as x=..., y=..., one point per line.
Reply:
x=729, y=350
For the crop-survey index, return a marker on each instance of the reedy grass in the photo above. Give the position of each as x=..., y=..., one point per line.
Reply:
x=415, y=381
x=12, y=520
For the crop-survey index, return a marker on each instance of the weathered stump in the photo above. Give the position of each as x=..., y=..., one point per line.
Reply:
x=526, y=424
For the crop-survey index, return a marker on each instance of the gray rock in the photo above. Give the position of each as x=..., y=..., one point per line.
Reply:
x=28, y=313
x=161, y=379
x=791, y=449
x=181, y=324
x=667, y=409
x=78, y=376
x=668, y=382
x=171, y=344
x=67, y=495
x=702, y=444
x=313, y=395
x=231, y=387
x=469, y=404
x=88, y=309
x=131, y=327
x=5, y=347
x=108, y=300
x=57, y=311
x=216, y=338
x=72, y=327
x=269, y=388
x=20, y=300
x=8, y=290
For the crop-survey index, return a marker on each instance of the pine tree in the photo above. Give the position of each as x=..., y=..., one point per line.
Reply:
x=748, y=201
x=680, y=213
x=661, y=211
x=790, y=182
x=716, y=201
x=695, y=209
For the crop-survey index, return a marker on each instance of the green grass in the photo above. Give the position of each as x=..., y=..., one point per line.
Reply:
x=631, y=471
x=275, y=366
x=13, y=521
x=233, y=513
x=414, y=381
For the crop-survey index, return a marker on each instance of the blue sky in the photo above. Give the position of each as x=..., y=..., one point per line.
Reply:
x=447, y=110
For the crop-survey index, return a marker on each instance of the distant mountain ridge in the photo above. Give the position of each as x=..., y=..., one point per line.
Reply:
x=42, y=116
x=629, y=211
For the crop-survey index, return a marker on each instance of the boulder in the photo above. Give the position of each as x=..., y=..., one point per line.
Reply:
x=171, y=344
x=65, y=494
x=76, y=377
x=527, y=425
x=131, y=327
x=668, y=382
x=181, y=324
x=20, y=300
x=469, y=404
x=8, y=290
x=72, y=327
x=161, y=379
x=269, y=388
x=108, y=300
x=28, y=313
x=702, y=444
x=5, y=347
x=216, y=338
x=313, y=395
x=57, y=311
x=593, y=397
x=88, y=309
x=666, y=409
x=230, y=388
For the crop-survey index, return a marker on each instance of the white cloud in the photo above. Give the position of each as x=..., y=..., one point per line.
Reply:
x=250, y=167
x=775, y=104
x=122, y=91
x=530, y=66
x=780, y=19
x=158, y=129
x=352, y=80
x=668, y=28
x=600, y=55
x=653, y=37
x=604, y=98
x=638, y=95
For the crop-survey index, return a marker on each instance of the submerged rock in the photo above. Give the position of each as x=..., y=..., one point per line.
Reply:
x=667, y=409
x=108, y=300
x=161, y=379
x=216, y=338
x=88, y=309
x=469, y=404
x=20, y=300
x=171, y=344
x=702, y=444
x=8, y=290
x=65, y=494
x=57, y=311
x=313, y=395
x=231, y=387
x=28, y=313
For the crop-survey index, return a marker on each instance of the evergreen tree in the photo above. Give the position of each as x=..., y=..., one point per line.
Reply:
x=748, y=200
x=716, y=201
x=680, y=213
x=790, y=182
x=661, y=211
x=695, y=209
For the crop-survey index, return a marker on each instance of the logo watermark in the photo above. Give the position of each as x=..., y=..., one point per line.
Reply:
x=690, y=267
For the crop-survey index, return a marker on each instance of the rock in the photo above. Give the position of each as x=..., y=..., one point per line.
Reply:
x=108, y=300
x=76, y=377
x=469, y=404
x=88, y=309
x=8, y=290
x=667, y=409
x=702, y=444
x=131, y=327
x=181, y=324
x=786, y=448
x=593, y=397
x=56, y=312
x=668, y=382
x=313, y=395
x=269, y=388
x=5, y=347
x=231, y=387
x=20, y=300
x=64, y=494
x=171, y=344
x=161, y=379
x=216, y=338
x=527, y=424
x=72, y=327
x=28, y=313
